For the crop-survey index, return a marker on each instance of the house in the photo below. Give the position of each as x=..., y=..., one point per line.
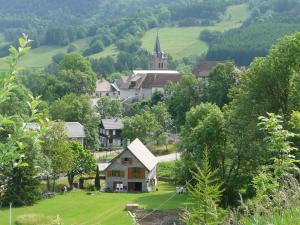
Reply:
x=133, y=170
x=204, y=68
x=74, y=130
x=111, y=132
x=105, y=88
x=141, y=84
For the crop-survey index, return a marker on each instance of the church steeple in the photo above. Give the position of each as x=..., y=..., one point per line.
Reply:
x=157, y=48
x=158, y=60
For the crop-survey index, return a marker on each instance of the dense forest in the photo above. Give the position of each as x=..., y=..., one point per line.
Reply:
x=269, y=21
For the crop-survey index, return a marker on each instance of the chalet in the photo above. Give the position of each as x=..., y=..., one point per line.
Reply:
x=133, y=170
x=111, y=132
x=74, y=130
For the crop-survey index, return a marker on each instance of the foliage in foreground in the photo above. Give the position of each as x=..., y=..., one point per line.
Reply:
x=206, y=193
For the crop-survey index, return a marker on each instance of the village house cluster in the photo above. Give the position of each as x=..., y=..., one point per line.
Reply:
x=134, y=169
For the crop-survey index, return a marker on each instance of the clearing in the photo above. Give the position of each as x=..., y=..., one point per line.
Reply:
x=184, y=41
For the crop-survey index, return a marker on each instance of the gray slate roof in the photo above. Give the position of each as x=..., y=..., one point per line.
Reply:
x=72, y=129
x=112, y=124
x=143, y=154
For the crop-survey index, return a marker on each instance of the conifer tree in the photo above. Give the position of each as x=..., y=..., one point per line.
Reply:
x=205, y=194
x=97, y=180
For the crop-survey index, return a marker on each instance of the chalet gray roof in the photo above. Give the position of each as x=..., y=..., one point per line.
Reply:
x=112, y=124
x=72, y=129
x=143, y=154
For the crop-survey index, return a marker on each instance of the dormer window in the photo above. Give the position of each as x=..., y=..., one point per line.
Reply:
x=126, y=161
x=132, y=84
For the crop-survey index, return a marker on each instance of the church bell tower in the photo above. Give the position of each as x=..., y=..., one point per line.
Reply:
x=158, y=60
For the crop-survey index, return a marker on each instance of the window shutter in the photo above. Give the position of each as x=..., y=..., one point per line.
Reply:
x=129, y=173
x=122, y=173
x=109, y=173
x=142, y=173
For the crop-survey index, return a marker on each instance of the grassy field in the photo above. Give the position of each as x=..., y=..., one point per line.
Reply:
x=78, y=208
x=177, y=41
x=42, y=56
x=184, y=41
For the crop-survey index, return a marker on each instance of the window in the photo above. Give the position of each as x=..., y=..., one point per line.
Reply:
x=136, y=172
x=116, y=173
x=126, y=161
x=110, y=141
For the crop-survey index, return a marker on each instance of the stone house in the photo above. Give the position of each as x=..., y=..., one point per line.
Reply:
x=143, y=83
x=204, y=68
x=111, y=132
x=105, y=88
x=134, y=169
x=74, y=130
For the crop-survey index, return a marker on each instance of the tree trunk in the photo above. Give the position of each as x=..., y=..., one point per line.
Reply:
x=53, y=184
x=71, y=180
x=48, y=183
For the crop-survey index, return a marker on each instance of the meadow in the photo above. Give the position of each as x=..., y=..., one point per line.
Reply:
x=78, y=208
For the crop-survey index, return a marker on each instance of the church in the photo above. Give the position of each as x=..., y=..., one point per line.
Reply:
x=143, y=83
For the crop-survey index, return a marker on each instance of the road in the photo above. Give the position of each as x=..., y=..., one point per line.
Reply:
x=168, y=158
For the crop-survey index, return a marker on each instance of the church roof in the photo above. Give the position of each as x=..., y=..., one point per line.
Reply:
x=149, y=79
x=157, y=48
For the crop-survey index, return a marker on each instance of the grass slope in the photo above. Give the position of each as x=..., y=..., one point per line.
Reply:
x=184, y=41
x=42, y=56
x=78, y=208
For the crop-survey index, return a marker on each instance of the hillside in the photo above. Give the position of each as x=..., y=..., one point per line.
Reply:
x=184, y=41
x=177, y=41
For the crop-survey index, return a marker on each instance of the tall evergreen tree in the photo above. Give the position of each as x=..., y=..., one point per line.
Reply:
x=206, y=194
x=97, y=180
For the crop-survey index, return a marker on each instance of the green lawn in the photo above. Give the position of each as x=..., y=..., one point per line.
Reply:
x=184, y=41
x=78, y=208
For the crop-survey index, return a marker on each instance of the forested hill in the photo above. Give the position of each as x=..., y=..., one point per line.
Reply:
x=115, y=32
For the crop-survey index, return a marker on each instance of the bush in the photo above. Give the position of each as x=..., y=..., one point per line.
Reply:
x=72, y=48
